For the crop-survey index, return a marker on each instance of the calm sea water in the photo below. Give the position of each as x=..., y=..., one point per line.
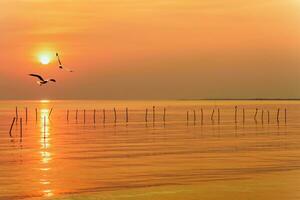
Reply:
x=202, y=158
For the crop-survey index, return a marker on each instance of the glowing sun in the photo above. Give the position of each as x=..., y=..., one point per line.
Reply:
x=45, y=60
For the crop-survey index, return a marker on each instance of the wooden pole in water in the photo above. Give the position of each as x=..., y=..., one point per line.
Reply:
x=278, y=112
x=285, y=116
x=262, y=116
x=127, y=115
x=26, y=114
x=153, y=110
x=201, y=116
x=68, y=115
x=255, y=114
x=164, y=116
x=12, y=124
x=243, y=115
x=187, y=116
x=219, y=115
x=212, y=115
x=115, y=114
x=235, y=114
x=76, y=115
x=36, y=114
x=50, y=113
x=84, y=116
x=21, y=128
x=103, y=116
x=268, y=117
x=194, y=117
x=146, y=115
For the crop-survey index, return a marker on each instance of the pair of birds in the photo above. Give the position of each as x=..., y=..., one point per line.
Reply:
x=43, y=81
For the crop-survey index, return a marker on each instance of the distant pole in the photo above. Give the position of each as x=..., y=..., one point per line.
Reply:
x=153, y=110
x=278, y=112
x=212, y=115
x=262, y=116
x=68, y=115
x=194, y=117
x=26, y=114
x=127, y=115
x=285, y=115
x=219, y=116
x=164, y=116
x=76, y=115
x=235, y=114
x=115, y=114
x=268, y=117
x=36, y=114
x=103, y=116
x=84, y=116
x=12, y=124
x=243, y=115
x=21, y=128
x=146, y=115
x=187, y=116
x=201, y=116
x=256, y=110
x=50, y=113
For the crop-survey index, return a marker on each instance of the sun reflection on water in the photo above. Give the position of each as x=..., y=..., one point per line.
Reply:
x=45, y=154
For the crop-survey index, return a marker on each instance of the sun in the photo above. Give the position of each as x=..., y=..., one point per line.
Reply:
x=45, y=60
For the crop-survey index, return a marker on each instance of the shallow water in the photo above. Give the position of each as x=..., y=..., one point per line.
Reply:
x=176, y=159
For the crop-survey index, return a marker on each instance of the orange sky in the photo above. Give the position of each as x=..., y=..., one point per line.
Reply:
x=140, y=49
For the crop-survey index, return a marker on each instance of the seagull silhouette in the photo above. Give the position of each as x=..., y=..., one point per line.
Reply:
x=41, y=80
x=61, y=66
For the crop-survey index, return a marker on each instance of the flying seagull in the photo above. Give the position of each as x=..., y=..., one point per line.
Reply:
x=61, y=66
x=41, y=80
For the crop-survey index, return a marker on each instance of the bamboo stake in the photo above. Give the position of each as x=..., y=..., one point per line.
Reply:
x=153, y=110
x=17, y=113
x=187, y=116
x=146, y=115
x=103, y=116
x=268, y=117
x=262, y=116
x=164, y=117
x=235, y=114
x=115, y=114
x=68, y=115
x=278, y=112
x=194, y=117
x=255, y=114
x=219, y=116
x=285, y=115
x=76, y=115
x=50, y=113
x=127, y=115
x=212, y=115
x=36, y=114
x=243, y=115
x=12, y=124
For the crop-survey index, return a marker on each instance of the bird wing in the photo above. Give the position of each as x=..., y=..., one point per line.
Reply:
x=53, y=80
x=58, y=59
x=69, y=70
x=38, y=76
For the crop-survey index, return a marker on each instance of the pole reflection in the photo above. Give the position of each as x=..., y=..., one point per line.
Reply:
x=45, y=154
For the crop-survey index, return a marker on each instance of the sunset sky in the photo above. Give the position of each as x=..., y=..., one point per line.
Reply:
x=151, y=49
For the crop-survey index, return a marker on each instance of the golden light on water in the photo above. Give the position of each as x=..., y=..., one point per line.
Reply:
x=45, y=154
